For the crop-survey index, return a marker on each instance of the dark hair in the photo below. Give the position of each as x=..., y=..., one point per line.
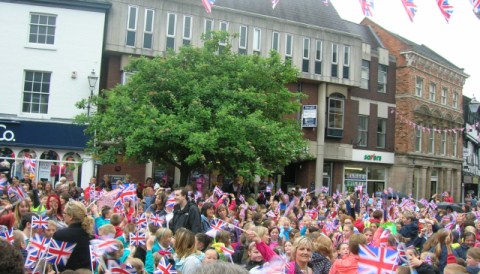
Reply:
x=105, y=211
x=26, y=218
x=204, y=239
x=116, y=219
x=205, y=207
x=183, y=191
x=11, y=260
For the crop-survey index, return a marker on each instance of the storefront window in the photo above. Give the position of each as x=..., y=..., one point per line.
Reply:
x=355, y=176
x=371, y=178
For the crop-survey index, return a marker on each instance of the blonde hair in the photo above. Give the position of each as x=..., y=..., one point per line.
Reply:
x=163, y=232
x=455, y=269
x=261, y=231
x=300, y=242
x=184, y=242
x=106, y=230
x=324, y=246
x=136, y=263
x=78, y=212
x=474, y=252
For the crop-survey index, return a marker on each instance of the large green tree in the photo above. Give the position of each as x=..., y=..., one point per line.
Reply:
x=201, y=108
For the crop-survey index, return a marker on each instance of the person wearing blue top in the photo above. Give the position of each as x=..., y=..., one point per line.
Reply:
x=104, y=219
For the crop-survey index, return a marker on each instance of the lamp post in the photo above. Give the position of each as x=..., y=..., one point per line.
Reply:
x=473, y=106
x=92, y=82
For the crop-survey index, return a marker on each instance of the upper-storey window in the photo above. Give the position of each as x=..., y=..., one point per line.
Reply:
x=306, y=55
x=433, y=91
x=187, y=30
x=223, y=27
x=365, y=74
x=288, y=46
x=455, y=100
x=336, y=111
x=382, y=78
x=381, y=132
x=334, y=60
x=242, y=41
x=418, y=139
x=362, y=130
x=131, y=26
x=444, y=95
x=208, y=28
x=346, y=62
x=148, y=28
x=276, y=41
x=171, y=30
x=318, y=56
x=36, y=91
x=419, y=86
x=42, y=28
x=257, y=40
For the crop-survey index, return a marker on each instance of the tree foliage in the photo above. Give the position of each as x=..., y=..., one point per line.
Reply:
x=201, y=107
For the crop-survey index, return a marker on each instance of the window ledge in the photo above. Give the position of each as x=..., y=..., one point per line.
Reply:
x=41, y=47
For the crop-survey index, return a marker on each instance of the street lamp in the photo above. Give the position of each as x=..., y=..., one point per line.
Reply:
x=473, y=105
x=92, y=82
x=473, y=108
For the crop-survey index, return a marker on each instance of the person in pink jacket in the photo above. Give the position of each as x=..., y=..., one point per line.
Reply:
x=348, y=264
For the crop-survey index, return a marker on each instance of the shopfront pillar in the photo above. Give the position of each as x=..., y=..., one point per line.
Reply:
x=422, y=185
x=322, y=94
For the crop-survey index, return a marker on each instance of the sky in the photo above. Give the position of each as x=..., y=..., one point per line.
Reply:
x=457, y=41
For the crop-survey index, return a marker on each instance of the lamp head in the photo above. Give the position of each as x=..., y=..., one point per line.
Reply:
x=92, y=79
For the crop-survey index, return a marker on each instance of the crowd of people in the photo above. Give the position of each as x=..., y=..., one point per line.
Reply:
x=159, y=228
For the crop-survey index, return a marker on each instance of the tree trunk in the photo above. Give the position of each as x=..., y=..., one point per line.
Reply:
x=184, y=174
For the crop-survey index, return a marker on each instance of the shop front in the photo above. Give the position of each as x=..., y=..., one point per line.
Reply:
x=369, y=169
x=44, y=151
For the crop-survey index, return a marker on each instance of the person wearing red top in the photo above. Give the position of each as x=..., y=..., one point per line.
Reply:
x=447, y=198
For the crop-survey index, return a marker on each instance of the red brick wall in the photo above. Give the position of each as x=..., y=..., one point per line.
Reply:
x=130, y=167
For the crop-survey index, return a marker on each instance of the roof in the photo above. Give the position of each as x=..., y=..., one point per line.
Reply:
x=311, y=12
x=91, y=5
x=367, y=35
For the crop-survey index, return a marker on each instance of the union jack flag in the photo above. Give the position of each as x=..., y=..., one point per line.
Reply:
x=208, y=4
x=94, y=257
x=18, y=192
x=268, y=189
x=359, y=188
x=410, y=8
x=324, y=189
x=166, y=251
x=171, y=201
x=128, y=193
x=156, y=220
x=164, y=267
x=217, y=191
x=274, y=3
x=115, y=267
x=216, y=226
x=39, y=222
x=227, y=251
x=32, y=259
x=423, y=202
x=141, y=222
x=367, y=7
x=303, y=191
x=476, y=6
x=445, y=8
x=377, y=260
x=7, y=235
x=59, y=252
x=30, y=164
x=433, y=205
x=4, y=185
x=137, y=239
x=102, y=246
x=384, y=238
x=38, y=243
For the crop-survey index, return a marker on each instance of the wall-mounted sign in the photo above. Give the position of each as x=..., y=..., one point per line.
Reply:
x=372, y=156
x=309, y=116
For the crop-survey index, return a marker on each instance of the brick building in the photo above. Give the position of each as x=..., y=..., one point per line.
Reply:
x=429, y=116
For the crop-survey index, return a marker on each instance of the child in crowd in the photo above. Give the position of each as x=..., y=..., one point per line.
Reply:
x=211, y=256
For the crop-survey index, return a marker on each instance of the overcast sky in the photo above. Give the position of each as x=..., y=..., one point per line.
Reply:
x=456, y=41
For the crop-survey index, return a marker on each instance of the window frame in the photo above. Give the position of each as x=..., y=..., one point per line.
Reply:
x=334, y=56
x=277, y=35
x=418, y=138
x=455, y=99
x=257, y=40
x=189, y=37
x=382, y=86
x=288, y=37
x=220, y=25
x=129, y=29
x=342, y=101
x=240, y=46
x=47, y=26
x=40, y=93
x=145, y=30
x=347, y=51
x=363, y=132
x=365, y=70
x=419, y=88
x=432, y=93
x=383, y=134
x=443, y=143
x=170, y=36
x=454, y=144
x=205, y=31
x=443, y=99
x=318, y=56
x=431, y=142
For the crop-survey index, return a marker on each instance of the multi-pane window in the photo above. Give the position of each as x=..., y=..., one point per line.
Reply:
x=365, y=74
x=443, y=145
x=42, y=29
x=455, y=100
x=444, y=95
x=362, y=130
x=242, y=41
x=187, y=30
x=418, y=139
x=318, y=56
x=431, y=142
x=419, y=87
x=382, y=79
x=208, y=28
x=334, y=60
x=306, y=55
x=36, y=91
x=223, y=27
x=336, y=108
x=288, y=46
x=276, y=41
x=433, y=91
x=454, y=144
x=131, y=26
x=381, y=132
x=346, y=62
x=171, y=30
x=148, y=28
x=257, y=40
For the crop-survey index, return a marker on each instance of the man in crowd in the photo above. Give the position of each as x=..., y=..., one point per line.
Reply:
x=185, y=213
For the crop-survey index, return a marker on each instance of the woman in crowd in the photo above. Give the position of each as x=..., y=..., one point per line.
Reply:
x=207, y=215
x=186, y=258
x=79, y=232
x=54, y=209
x=301, y=255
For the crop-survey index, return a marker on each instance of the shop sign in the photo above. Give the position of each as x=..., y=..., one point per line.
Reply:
x=309, y=116
x=371, y=156
x=6, y=135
